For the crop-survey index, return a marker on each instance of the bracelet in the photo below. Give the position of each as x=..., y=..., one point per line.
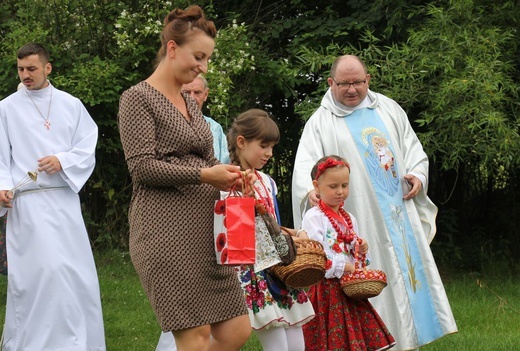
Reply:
x=299, y=231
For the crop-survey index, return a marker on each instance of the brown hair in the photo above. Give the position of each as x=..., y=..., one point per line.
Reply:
x=34, y=49
x=252, y=124
x=332, y=160
x=179, y=23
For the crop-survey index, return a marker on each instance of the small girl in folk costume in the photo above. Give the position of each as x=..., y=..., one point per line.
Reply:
x=276, y=321
x=341, y=323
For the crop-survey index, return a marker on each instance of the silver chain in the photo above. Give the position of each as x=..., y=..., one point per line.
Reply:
x=47, y=124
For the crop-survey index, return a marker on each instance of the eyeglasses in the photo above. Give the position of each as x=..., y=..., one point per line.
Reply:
x=344, y=85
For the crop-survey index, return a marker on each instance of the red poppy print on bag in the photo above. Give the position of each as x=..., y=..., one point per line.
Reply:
x=221, y=242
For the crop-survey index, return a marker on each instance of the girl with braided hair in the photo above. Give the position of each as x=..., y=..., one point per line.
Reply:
x=275, y=316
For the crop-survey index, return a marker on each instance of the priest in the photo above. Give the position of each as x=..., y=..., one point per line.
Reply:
x=388, y=196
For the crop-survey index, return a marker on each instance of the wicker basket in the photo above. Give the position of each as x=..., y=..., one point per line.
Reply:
x=363, y=283
x=307, y=269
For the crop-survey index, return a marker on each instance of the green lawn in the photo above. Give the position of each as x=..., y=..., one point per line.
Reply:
x=487, y=310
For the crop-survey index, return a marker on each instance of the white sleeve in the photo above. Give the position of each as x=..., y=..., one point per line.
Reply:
x=317, y=229
x=78, y=162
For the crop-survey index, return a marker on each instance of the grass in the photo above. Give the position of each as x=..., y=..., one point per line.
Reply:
x=487, y=310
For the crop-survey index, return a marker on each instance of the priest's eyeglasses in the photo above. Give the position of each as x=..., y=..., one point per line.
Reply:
x=345, y=85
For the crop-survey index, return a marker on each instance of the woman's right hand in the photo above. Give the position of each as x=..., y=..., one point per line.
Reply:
x=221, y=176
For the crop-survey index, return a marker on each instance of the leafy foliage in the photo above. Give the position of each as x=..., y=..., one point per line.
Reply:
x=457, y=77
x=452, y=64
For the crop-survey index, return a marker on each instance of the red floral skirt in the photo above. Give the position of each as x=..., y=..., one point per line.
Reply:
x=342, y=323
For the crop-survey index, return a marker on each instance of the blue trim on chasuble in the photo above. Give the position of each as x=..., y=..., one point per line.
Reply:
x=375, y=149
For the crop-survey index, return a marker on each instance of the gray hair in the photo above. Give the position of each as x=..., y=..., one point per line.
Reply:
x=204, y=81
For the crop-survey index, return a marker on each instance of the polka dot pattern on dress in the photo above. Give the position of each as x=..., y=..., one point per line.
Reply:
x=171, y=212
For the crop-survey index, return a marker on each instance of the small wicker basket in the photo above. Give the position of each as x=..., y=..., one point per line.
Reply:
x=307, y=269
x=363, y=283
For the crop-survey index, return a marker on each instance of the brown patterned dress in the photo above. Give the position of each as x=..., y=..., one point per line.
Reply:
x=171, y=212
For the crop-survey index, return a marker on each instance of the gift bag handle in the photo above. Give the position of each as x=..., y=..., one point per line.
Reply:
x=246, y=187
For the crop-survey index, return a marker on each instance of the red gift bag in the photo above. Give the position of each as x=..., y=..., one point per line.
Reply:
x=234, y=230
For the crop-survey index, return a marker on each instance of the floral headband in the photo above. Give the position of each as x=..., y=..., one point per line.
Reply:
x=329, y=163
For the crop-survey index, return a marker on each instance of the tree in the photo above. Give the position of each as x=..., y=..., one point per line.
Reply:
x=452, y=64
x=457, y=78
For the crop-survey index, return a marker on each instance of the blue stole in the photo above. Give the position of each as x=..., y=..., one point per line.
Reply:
x=377, y=153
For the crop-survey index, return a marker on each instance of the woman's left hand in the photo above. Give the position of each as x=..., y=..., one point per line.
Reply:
x=250, y=177
x=221, y=176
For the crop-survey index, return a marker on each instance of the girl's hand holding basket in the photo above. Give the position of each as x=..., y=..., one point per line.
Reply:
x=362, y=283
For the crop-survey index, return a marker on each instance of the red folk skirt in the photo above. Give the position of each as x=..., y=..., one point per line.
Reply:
x=342, y=323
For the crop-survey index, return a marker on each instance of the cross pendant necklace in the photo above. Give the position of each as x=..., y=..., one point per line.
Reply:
x=46, y=122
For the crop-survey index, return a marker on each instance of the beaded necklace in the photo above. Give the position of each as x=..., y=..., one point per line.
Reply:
x=346, y=237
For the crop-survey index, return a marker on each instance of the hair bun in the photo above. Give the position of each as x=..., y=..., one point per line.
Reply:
x=191, y=14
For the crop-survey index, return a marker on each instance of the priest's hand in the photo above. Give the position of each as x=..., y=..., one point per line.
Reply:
x=313, y=198
x=49, y=165
x=416, y=185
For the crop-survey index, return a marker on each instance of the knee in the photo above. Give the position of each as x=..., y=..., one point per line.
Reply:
x=232, y=334
x=243, y=335
x=195, y=339
x=236, y=339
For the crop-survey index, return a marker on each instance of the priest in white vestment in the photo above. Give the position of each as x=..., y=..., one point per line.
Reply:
x=53, y=297
x=388, y=185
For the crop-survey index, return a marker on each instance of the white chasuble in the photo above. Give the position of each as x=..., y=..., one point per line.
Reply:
x=381, y=147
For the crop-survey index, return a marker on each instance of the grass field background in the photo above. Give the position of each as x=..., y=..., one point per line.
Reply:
x=487, y=310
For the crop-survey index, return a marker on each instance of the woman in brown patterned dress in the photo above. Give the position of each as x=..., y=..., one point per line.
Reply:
x=176, y=180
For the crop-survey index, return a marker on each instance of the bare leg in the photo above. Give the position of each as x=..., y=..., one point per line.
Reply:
x=193, y=339
x=230, y=335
